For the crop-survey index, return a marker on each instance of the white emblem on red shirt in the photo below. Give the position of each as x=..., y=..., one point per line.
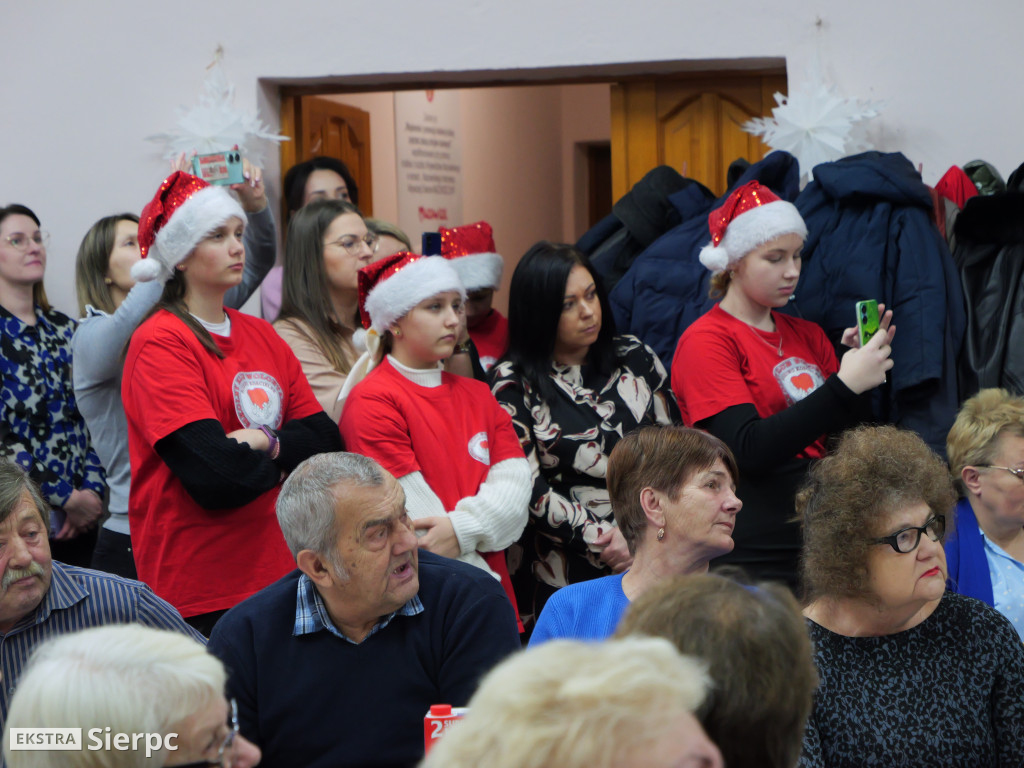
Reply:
x=258, y=399
x=797, y=378
x=478, y=448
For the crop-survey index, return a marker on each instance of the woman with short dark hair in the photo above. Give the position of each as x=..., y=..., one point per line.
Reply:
x=573, y=389
x=910, y=674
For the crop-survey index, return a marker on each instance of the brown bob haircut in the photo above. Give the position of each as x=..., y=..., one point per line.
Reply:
x=843, y=504
x=755, y=643
x=662, y=458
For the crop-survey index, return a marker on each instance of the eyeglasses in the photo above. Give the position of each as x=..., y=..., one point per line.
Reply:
x=1016, y=472
x=20, y=242
x=225, y=748
x=352, y=244
x=906, y=540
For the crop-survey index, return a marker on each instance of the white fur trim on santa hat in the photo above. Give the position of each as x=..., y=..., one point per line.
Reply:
x=479, y=270
x=193, y=220
x=751, y=229
x=392, y=299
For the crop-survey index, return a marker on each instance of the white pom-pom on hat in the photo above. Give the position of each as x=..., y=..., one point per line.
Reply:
x=148, y=269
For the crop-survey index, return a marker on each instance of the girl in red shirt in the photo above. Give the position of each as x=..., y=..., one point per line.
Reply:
x=443, y=436
x=766, y=383
x=218, y=411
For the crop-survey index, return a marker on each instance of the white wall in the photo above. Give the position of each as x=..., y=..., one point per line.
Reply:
x=84, y=83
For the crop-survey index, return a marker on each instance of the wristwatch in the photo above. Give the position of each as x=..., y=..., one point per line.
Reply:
x=275, y=444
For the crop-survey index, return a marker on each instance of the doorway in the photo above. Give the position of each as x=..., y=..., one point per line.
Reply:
x=555, y=136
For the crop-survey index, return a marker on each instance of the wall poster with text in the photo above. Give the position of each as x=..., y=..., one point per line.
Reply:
x=429, y=154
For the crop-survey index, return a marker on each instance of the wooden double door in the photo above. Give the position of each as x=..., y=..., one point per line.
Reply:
x=692, y=124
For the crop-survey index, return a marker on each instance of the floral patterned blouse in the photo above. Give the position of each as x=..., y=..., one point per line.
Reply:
x=41, y=428
x=567, y=443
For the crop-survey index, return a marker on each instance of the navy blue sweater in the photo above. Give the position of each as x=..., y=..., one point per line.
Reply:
x=317, y=700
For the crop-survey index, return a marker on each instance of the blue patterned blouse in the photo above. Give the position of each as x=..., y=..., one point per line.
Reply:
x=41, y=429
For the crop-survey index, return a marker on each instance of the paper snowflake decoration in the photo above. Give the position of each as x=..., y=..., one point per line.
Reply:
x=814, y=124
x=215, y=124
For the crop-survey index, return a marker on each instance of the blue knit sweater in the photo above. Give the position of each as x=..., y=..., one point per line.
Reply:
x=588, y=610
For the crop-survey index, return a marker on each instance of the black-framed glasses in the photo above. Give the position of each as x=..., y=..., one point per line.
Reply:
x=352, y=243
x=1015, y=471
x=225, y=748
x=906, y=539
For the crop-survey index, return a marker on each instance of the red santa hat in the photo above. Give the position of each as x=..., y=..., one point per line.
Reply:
x=184, y=210
x=389, y=288
x=751, y=216
x=470, y=248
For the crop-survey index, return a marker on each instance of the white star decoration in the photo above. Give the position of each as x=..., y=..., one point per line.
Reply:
x=214, y=124
x=814, y=124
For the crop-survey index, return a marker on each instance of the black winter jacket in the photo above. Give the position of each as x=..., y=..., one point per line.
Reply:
x=989, y=254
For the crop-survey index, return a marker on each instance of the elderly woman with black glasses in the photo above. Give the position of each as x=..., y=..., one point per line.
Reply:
x=985, y=551
x=911, y=675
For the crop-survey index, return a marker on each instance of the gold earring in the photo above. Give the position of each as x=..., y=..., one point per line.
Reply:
x=108, y=281
x=661, y=534
x=398, y=332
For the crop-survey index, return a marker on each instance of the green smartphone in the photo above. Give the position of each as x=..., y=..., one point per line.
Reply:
x=867, y=320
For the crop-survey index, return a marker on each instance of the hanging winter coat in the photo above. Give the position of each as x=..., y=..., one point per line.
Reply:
x=638, y=218
x=989, y=253
x=666, y=289
x=872, y=236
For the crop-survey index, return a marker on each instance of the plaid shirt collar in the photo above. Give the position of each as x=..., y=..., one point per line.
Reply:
x=311, y=613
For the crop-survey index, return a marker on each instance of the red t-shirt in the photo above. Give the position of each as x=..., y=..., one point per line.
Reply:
x=203, y=560
x=490, y=338
x=721, y=361
x=453, y=434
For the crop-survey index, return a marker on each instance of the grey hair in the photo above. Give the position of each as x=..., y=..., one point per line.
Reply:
x=306, y=504
x=130, y=678
x=14, y=482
